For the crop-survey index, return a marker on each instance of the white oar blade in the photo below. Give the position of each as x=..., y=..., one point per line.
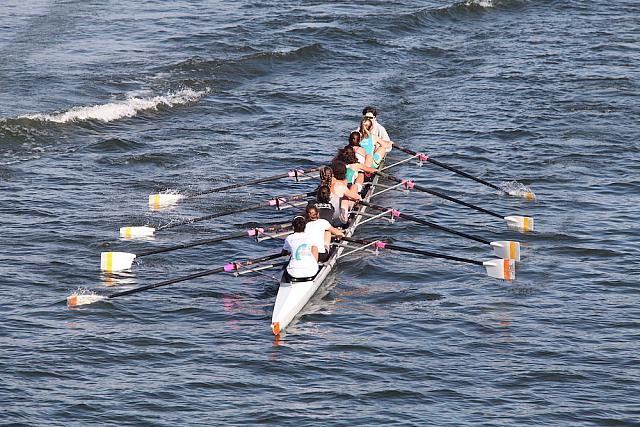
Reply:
x=519, y=223
x=132, y=232
x=75, y=300
x=523, y=194
x=159, y=201
x=504, y=269
x=507, y=249
x=116, y=261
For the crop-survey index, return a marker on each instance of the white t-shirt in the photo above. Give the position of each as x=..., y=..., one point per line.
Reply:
x=316, y=230
x=302, y=262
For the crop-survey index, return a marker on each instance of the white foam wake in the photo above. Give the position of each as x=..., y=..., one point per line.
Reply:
x=120, y=109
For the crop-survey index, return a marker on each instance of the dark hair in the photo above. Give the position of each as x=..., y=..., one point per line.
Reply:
x=323, y=194
x=370, y=109
x=354, y=138
x=326, y=173
x=298, y=224
x=339, y=170
x=308, y=211
x=347, y=155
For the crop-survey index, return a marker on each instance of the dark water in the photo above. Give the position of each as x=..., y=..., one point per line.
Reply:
x=102, y=103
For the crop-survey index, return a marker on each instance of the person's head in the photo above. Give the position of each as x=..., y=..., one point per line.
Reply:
x=370, y=112
x=365, y=127
x=312, y=213
x=347, y=155
x=298, y=224
x=339, y=170
x=326, y=173
x=354, y=138
x=323, y=195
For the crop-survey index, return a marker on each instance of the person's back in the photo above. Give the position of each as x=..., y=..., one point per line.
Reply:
x=323, y=203
x=304, y=255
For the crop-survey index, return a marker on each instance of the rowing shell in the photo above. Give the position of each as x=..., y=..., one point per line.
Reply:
x=293, y=296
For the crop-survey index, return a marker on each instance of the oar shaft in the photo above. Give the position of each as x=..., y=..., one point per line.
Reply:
x=428, y=223
x=193, y=276
x=281, y=200
x=446, y=197
x=415, y=251
x=450, y=168
x=254, y=181
x=238, y=235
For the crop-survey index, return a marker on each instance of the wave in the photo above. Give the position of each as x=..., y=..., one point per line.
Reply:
x=129, y=107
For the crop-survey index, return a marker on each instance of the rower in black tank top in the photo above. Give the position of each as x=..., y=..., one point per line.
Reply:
x=323, y=203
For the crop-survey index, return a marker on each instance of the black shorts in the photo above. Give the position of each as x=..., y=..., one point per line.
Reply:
x=323, y=257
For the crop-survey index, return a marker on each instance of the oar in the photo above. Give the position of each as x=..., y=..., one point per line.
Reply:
x=528, y=195
x=520, y=223
x=75, y=300
x=118, y=261
x=498, y=268
x=145, y=231
x=507, y=249
x=161, y=200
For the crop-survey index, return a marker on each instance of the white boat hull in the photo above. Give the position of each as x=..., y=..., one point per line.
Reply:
x=293, y=296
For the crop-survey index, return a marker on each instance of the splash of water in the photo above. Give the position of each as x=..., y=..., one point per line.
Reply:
x=121, y=109
x=518, y=189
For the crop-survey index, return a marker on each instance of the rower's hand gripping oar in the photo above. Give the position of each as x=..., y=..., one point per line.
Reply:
x=162, y=200
x=528, y=195
x=75, y=300
x=119, y=261
x=504, y=269
x=515, y=222
x=145, y=231
x=507, y=249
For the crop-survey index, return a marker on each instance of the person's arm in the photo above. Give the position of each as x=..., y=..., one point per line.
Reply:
x=335, y=231
x=314, y=252
x=383, y=142
x=364, y=168
x=352, y=194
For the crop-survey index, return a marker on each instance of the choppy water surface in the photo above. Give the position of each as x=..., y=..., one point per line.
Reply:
x=103, y=103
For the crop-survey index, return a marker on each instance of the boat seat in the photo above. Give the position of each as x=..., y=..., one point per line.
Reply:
x=287, y=278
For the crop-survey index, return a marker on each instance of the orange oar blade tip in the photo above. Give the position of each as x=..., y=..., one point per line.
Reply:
x=75, y=300
x=275, y=327
x=72, y=300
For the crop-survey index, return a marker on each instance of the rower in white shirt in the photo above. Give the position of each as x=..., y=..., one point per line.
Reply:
x=304, y=254
x=320, y=231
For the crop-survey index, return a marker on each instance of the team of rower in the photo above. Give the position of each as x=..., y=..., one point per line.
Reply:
x=310, y=242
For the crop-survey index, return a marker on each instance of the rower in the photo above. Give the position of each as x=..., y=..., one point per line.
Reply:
x=304, y=254
x=354, y=141
x=355, y=168
x=320, y=231
x=340, y=189
x=323, y=203
x=374, y=146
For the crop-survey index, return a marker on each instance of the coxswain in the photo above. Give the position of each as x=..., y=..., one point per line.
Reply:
x=320, y=231
x=378, y=130
x=303, y=262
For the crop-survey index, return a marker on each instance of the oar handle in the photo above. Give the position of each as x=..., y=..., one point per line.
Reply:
x=195, y=275
x=428, y=223
x=294, y=173
x=382, y=245
x=444, y=196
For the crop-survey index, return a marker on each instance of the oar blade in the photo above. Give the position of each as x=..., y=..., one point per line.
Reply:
x=133, y=232
x=74, y=300
x=507, y=249
x=116, y=261
x=504, y=269
x=163, y=200
x=523, y=194
x=519, y=223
